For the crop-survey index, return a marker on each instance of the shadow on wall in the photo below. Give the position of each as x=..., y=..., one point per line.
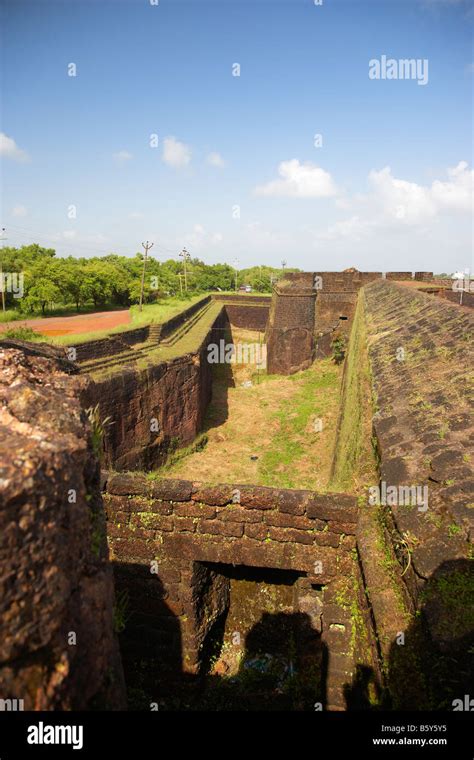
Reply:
x=432, y=664
x=149, y=635
x=283, y=665
x=222, y=379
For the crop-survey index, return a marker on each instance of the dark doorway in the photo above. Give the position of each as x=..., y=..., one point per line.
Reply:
x=264, y=652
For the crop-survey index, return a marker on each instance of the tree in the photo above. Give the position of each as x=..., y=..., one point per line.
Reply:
x=42, y=293
x=98, y=277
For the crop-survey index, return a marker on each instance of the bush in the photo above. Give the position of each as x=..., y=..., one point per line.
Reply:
x=9, y=316
x=338, y=346
x=23, y=333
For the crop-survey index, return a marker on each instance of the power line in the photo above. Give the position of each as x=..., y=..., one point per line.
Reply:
x=186, y=257
x=146, y=246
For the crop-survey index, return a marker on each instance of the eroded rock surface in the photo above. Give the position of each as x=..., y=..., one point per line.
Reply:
x=58, y=648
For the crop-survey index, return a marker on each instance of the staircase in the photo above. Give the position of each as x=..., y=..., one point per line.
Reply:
x=131, y=354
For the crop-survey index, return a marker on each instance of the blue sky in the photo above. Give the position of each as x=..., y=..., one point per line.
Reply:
x=236, y=173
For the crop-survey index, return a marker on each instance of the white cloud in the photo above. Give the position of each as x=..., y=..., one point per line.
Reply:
x=215, y=159
x=411, y=203
x=136, y=215
x=122, y=156
x=9, y=149
x=200, y=238
x=176, y=153
x=400, y=199
x=457, y=193
x=299, y=181
x=354, y=228
x=19, y=211
x=393, y=205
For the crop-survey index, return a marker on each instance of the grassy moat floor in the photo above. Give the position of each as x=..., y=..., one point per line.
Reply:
x=278, y=431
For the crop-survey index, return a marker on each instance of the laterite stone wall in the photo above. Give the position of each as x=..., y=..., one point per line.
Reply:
x=188, y=528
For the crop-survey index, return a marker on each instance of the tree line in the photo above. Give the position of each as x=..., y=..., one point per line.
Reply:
x=49, y=282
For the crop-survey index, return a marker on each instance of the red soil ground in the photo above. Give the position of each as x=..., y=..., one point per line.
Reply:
x=103, y=320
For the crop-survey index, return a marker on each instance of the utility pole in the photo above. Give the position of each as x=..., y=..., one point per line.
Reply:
x=185, y=256
x=146, y=246
x=236, y=273
x=180, y=283
x=2, y=284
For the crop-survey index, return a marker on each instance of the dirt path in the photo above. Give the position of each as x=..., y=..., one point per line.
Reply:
x=82, y=323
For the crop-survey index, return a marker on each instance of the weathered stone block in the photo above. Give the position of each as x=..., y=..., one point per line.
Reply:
x=325, y=538
x=218, y=528
x=338, y=507
x=193, y=509
x=234, y=513
x=258, y=531
x=257, y=497
x=128, y=484
x=287, y=520
x=171, y=490
x=134, y=549
x=213, y=495
x=149, y=521
x=348, y=528
x=293, y=502
x=187, y=524
x=290, y=534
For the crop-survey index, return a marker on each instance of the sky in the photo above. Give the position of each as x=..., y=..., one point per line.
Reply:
x=249, y=132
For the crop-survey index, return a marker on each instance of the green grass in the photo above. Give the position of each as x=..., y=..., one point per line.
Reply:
x=20, y=332
x=151, y=314
x=11, y=315
x=354, y=457
x=189, y=343
x=160, y=312
x=65, y=310
x=291, y=441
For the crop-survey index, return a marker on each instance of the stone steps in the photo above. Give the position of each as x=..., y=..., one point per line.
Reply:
x=154, y=333
x=183, y=329
x=132, y=354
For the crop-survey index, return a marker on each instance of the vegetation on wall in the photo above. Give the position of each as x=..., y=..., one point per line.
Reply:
x=354, y=462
